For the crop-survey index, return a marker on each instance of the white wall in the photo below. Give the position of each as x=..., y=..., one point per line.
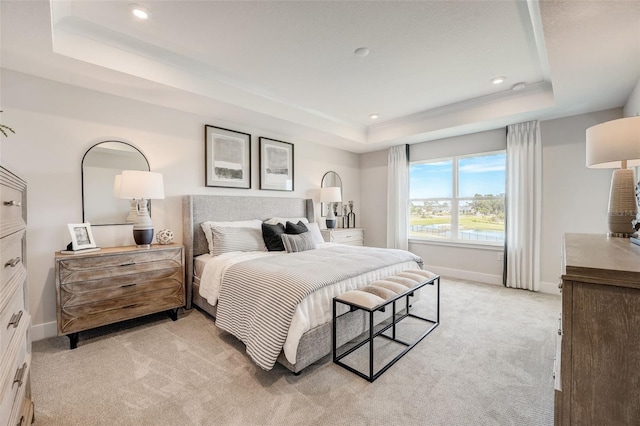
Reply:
x=574, y=199
x=632, y=107
x=56, y=123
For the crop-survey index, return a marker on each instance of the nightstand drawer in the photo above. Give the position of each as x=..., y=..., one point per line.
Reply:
x=352, y=236
x=83, y=317
x=88, y=268
x=93, y=291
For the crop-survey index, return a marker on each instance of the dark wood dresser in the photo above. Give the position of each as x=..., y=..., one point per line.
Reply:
x=600, y=332
x=116, y=284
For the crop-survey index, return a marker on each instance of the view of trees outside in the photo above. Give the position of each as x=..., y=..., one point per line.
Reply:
x=478, y=210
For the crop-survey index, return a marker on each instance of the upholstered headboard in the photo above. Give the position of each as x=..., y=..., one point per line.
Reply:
x=222, y=208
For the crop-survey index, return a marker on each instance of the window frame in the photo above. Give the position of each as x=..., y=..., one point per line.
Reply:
x=454, y=201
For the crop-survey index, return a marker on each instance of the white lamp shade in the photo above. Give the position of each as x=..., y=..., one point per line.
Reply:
x=610, y=143
x=330, y=194
x=140, y=184
x=116, y=186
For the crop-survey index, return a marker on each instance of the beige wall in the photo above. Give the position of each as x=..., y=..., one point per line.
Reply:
x=574, y=199
x=56, y=123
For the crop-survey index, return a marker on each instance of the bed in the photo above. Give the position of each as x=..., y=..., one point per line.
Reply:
x=309, y=345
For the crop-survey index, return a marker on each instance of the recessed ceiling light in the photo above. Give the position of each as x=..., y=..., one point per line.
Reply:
x=374, y=116
x=498, y=80
x=139, y=12
x=518, y=86
x=361, y=51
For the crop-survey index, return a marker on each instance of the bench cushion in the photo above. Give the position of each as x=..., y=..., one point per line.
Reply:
x=380, y=291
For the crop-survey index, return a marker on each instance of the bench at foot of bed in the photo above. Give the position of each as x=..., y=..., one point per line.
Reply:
x=376, y=297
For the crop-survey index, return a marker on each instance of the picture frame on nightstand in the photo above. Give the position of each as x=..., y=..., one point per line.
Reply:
x=81, y=236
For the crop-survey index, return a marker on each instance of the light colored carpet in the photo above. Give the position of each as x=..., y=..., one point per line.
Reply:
x=488, y=363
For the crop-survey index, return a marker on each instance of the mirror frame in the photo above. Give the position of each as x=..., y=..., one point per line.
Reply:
x=84, y=219
x=323, y=206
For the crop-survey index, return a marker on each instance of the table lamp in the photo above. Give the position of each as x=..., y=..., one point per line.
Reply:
x=616, y=145
x=142, y=186
x=330, y=195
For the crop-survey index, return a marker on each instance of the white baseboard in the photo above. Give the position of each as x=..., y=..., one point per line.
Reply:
x=44, y=331
x=550, y=288
x=545, y=287
x=465, y=275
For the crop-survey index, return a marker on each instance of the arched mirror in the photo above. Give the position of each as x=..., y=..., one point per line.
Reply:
x=330, y=179
x=100, y=165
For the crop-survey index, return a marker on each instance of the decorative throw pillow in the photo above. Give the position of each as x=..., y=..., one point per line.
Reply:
x=294, y=243
x=292, y=228
x=271, y=234
x=314, y=230
x=227, y=239
x=206, y=228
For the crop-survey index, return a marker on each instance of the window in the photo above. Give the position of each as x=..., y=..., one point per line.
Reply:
x=459, y=199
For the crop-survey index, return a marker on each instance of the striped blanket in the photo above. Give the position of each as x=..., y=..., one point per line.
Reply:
x=258, y=298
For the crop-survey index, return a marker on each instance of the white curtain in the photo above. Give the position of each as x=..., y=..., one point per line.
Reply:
x=522, y=242
x=398, y=198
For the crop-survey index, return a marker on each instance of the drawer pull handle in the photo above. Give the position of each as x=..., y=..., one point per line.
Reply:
x=12, y=262
x=13, y=203
x=130, y=306
x=128, y=264
x=15, y=320
x=127, y=285
x=20, y=374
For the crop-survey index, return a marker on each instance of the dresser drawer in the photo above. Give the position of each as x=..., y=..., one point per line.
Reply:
x=12, y=200
x=15, y=365
x=13, y=394
x=88, y=268
x=11, y=318
x=10, y=257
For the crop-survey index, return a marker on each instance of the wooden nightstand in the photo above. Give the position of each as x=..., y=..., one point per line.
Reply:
x=116, y=284
x=351, y=236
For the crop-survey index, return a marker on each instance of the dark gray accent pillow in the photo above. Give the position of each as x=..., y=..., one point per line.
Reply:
x=271, y=234
x=298, y=228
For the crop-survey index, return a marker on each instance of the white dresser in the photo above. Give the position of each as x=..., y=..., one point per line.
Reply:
x=16, y=407
x=351, y=236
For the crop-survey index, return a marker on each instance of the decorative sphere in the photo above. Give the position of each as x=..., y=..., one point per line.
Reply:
x=164, y=236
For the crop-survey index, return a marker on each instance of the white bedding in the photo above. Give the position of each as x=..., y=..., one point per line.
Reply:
x=314, y=310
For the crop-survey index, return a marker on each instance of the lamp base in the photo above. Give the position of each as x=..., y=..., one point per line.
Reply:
x=623, y=205
x=143, y=237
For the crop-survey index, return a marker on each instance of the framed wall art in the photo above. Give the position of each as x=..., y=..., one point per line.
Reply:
x=276, y=165
x=227, y=158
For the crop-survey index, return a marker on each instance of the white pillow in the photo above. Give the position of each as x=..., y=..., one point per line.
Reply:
x=206, y=228
x=314, y=230
x=233, y=238
x=283, y=220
